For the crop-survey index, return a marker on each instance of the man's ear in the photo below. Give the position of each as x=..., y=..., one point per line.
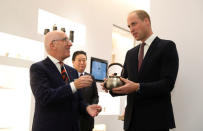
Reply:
x=52, y=45
x=146, y=20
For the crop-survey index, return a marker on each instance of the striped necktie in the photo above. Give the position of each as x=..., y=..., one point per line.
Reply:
x=63, y=72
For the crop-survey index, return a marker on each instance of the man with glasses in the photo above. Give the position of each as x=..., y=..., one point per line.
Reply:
x=55, y=85
x=89, y=94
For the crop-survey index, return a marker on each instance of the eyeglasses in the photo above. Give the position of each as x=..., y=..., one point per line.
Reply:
x=63, y=39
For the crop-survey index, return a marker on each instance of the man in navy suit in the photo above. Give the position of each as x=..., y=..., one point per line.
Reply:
x=149, y=78
x=58, y=103
x=89, y=94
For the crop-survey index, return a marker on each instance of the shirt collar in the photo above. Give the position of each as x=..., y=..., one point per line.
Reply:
x=54, y=60
x=150, y=40
x=81, y=73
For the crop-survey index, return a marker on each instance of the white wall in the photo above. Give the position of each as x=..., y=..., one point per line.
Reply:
x=181, y=21
x=19, y=17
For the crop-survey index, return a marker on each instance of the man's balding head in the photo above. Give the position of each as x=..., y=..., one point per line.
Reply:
x=57, y=45
x=51, y=36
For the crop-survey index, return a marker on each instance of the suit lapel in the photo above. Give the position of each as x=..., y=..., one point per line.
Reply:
x=71, y=73
x=53, y=69
x=136, y=60
x=149, y=51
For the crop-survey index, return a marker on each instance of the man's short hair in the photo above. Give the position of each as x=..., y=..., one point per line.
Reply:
x=76, y=53
x=142, y=14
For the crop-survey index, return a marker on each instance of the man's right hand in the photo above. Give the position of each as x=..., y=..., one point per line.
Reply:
x=102, y=84
x=83, y=81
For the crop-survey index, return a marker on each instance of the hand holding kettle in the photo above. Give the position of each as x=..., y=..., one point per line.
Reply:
x=129, y=87
x=119, y=85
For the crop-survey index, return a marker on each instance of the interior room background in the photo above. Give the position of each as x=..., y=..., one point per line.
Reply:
x=21, y=44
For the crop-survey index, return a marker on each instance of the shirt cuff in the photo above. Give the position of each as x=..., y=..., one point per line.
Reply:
x=138, y=89
x=73, y=87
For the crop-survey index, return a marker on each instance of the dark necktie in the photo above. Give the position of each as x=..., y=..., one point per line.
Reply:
x=63, y=72
x=140, y=55
x=81, y=74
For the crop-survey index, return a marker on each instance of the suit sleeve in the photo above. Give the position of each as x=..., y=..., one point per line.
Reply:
x=95, y=97
x=44, y=91
x=168, y=73
x=83, y=105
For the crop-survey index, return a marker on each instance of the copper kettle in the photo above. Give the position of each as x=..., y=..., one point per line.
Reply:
x=114, y=80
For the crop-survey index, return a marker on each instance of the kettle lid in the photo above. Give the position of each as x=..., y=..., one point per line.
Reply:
x=114, y=76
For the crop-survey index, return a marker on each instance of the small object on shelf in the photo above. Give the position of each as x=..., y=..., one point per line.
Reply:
x=63, y=29
x=54, y=27
x=71, y=36
x=46, y=31
x=6, y=54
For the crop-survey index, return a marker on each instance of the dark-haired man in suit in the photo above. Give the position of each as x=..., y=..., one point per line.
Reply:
x=55, y=85
x=150, y=71
x=90, y=94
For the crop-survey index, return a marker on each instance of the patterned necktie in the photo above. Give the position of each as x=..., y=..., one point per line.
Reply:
x=63, y=72
x=140, y=56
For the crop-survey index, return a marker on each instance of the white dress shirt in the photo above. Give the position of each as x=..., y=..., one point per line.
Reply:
x=80, y=73
x=58, y=66
x=148, y=42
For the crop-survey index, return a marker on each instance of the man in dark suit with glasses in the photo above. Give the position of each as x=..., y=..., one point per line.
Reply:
x=55, y=85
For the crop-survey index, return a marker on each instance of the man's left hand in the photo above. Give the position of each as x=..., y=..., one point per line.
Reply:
x=93, y=110
x=129, y=87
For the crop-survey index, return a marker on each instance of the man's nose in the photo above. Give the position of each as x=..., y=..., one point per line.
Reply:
x=131, y=29
x=70, y=43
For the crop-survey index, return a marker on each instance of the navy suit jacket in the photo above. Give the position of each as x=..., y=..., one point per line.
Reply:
x=56, y=107
x=150, y=108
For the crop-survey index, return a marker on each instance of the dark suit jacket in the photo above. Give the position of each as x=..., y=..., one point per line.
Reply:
x=90, y=96
x=56, y=107
x=150, y=108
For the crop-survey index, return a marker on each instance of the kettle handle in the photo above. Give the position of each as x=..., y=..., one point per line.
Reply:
x=112, y=65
